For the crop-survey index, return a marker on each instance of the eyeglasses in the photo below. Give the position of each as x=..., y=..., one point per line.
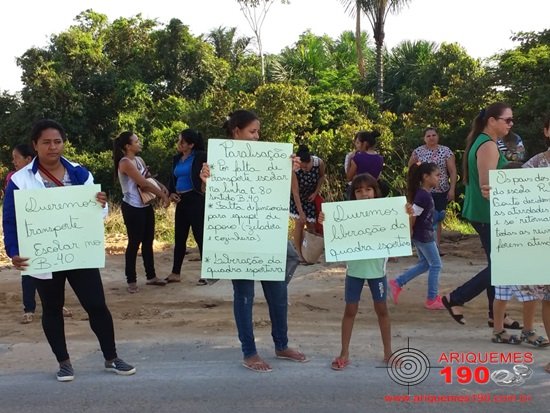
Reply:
x=507, y=120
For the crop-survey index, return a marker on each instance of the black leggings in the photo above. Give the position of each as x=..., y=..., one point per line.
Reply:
x=140, y=227
x=189, y=214
x=86, y=283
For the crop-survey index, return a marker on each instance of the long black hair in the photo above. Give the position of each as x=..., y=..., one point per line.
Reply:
x=415, y=177
x=192, y=137
x=118, y=148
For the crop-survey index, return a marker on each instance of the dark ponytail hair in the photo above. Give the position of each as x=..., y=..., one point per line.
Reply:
x=367, y=136
x=118, y=148
x=478, y=125
x=303, y=153
x=364, y=180
x=192, y=137
x=24, y=150
x=415, y=177
x=239, y=119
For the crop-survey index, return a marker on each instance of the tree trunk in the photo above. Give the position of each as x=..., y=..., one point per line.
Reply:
x=358, y=45
x=379, y=36
x=379, y=73
x=262, y=59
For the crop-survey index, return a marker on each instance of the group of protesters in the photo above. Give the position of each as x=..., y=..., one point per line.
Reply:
x=432, y=180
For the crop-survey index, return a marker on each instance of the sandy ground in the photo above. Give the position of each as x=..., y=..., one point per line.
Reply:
x=184, y=311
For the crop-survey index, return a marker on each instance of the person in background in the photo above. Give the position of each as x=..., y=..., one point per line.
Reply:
x=245, y=125
x=512, y=147
x=21, y=156
x=347, y=163
x=306, y=185
x=49, y=169
x=139, y=218
x=444, y=158
x=366, y=159
x=187, y=191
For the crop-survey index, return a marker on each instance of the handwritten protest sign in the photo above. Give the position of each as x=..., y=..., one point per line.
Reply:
x=520, y=226
x=370, y=228
x=60, y=228
x=246, y=215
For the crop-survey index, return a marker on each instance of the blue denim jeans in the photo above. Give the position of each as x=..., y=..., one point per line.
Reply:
x=29, y=292
x=275, y=293
x=482, y=280
x=428, y=260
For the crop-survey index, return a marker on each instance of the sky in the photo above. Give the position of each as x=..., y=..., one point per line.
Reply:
x=482, y=27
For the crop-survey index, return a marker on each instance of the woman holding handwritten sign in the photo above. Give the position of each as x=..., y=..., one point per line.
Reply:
x=139, y=218
x=48, y=170
x=245, y=125
x=480, y=156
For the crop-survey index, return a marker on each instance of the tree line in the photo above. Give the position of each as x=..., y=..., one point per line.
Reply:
x=99, y=78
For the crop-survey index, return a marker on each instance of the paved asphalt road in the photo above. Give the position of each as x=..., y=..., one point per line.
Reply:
x=173, y=377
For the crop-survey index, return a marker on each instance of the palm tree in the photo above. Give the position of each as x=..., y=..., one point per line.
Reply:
x=354, y=8
x=227, y=46
x=377, y=11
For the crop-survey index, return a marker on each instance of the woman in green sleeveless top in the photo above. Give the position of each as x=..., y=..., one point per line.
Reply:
x=480, y=156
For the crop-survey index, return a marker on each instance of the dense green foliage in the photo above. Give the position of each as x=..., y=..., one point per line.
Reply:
x=99, y=78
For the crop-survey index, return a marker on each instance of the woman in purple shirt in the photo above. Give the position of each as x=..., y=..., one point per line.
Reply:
x=366, y=159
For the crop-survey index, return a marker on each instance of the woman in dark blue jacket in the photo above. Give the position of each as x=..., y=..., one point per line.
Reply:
x=187, y=190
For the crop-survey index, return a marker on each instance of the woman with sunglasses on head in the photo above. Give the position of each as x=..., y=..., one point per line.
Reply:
x=245, y=125
x=187, y=191
x=49, y=169
x=480, y=156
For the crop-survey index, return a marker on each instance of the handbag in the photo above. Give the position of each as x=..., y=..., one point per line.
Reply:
x=312, y=247
x=146, y=196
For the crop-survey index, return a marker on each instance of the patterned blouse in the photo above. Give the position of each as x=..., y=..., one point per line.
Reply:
x=438, y=156
x=538, y=161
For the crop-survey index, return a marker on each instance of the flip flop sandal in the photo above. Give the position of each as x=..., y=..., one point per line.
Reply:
x=297, y=360
x=339, y=364
x=256, y=367
x=172, y=279
x=459, y=318
x=504, y=338
x=540, y=341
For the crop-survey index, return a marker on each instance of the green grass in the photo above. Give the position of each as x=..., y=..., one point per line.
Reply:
x=453, y=222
